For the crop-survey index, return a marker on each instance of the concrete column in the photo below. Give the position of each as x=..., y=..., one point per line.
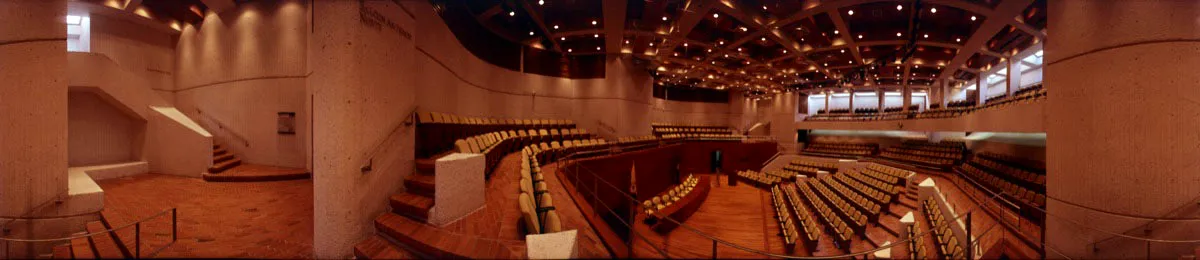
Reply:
x=980, y=88
x=1121, y=125
x=906, y=94
x=33, y=105
x=851, y=101
x=945, y=98
x=1014, y=75
x=879, y=93
x=361, y=75
x=827, y=94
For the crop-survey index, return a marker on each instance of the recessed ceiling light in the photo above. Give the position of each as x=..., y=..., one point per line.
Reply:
x=570, y=50
x=851, y=12
x=784, y=51
x=593, y=22
x=843, y=51
x=726, y=55
x=722, y=42
x=596, y=35
x=763, y=39
x=556, y=27
x=825, y=64
x=801, y=39
x=652, y=44
x=764, y=7
x=933, y=10
x=972, y=18
x=597, y=48
x=739, y=48
x=897, y=34
x=530, y=32
x=562, y=38
x=541, y=2
x=835, y=31
x=850, y=61
x=957, y=39
x=926, y=35
x=664, y=18
x=676, y=54
x=899, y=7
x=626, y=41
x=511, y=13
x=860, y=36
x=685, y=44
x=743, y=29
x=716, y=15
x=709, y=50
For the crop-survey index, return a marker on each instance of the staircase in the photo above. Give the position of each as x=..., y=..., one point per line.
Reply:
x=223, y=160
x=101, y=246
x=410, y=209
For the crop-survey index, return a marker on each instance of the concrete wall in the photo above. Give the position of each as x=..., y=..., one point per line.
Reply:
x=241, y=68
x=146, y=53
x=1122, y=125
x=99, y=133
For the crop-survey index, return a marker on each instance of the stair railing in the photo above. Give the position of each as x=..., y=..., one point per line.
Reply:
x=224, y=128
x=409, y=120
x=137, y=234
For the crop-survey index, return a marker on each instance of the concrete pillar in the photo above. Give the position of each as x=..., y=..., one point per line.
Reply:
x=906, y=94
x=827, y=94
x=361, y=76
x=33, y=109
x=33, y=105
x=1014, y=75
x=852, y=101
x=879, y=93
x=945, y=98
x=1121, y=125
x=980, y=80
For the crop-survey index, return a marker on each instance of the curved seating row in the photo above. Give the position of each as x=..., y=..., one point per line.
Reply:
x=947, y=242
x=786, y=228
x=916, y=245
x=847, y=149
x=870, y=193
x=841, y=232
x=885, y=188
x=1018, y=175
x=1013, y=191
x=758, y=178
x=437, y=132
x=534, y=201
x=916, y=158
x=814, y=163
x=669, y=197
x=495, y=145
x=856, y=214
x=812, y=230
x=793, y=170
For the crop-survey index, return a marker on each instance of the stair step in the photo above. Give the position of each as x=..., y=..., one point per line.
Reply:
x=219, y=151
x=226, y=165
x=122, y=243
x=377, y=247
x=411, y=205
x=104, y=244
x=62, y=251
x=420, y=237
x=420, y=184
x=221, y=158
x=81, y=248
x=426, y=165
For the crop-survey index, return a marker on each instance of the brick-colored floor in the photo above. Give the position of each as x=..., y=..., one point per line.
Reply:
x=217, y=219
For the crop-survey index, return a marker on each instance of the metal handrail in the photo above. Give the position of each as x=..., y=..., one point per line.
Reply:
x=769, y=254
x=1142, y=226
x=137, y=225
x=225, y=128
x=411, y=118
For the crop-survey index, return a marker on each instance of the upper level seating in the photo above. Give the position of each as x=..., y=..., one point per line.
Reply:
x=866, y=110
x=725, y=137
x=811, y=230
x=961, y=103
x=845, y=149
x=761, y=179
x=957, y=108
x=661, y=129
x=437, y=132
x=842, y=233
x=670, y=196
x=947, y=242
x=942, y=154
x=1019, y=183
x=495, y=145
x=900, y=108
x=787, y=229
x=843, y=110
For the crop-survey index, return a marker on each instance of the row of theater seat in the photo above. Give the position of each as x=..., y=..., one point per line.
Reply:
x=898, y=174
x=814, y=163
x=759, y=178
x=853, y=207
x=1013, y=191
x=920, y=159
x=834, y=224
x=959, y=108
x=537, y=215
x=811, y=228
x=801, y=170
x=437, y=132
x=1033, y=180
x=947, y=242
x=859, y=117
x=916, y=245
x=1011, y=166
x=942, y=146
x=730, y=137
x=890, y=189
x=952, y=156
x=670, y=196
x=786, y=227
x=850, y=149
x=869, y=192
x=781, y=174
x=495, y=145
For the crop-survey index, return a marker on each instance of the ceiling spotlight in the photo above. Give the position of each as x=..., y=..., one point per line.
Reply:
x=626, y=41
x=860, y=36
x=826, y=64
x=739, y=48
x=972, y=18
x=763, y=39
x=570, y=50
x=716, y=15
x=784, y=51
x=933, y=10
x=801, y=39
x=512, y=13
x=721, y=42
x=764, y=7
x=851, y=12
x=597, y=48
x=835, y=31
x=709, y=50
x=926, y=35
x=897, y=34
x=743, y=29
x=843, y=51
x=562, y=38
x=850, y=61
x=598, y=36
x=541, y=2
x=530, y=33
x=726, y=55
x=676, y=54
x=685, y=44
x=664, y=18
x=556, y=27
x=899, y=7
x=652, y=44
x=593, y=22
x=957, y=39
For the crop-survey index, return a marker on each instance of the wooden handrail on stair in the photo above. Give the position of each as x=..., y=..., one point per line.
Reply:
x=222, y=126
x=411, y=118
x=137, y=234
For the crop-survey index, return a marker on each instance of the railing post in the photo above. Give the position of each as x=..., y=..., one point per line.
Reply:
x=174, y=224
x=137, y=240
x=714, y=255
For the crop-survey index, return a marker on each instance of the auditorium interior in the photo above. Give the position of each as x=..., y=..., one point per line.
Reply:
x=554, y=129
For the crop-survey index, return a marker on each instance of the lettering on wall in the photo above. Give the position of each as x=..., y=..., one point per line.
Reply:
x=372, y=18
x=605, y=127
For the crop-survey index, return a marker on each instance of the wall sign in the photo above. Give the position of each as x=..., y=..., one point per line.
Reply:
x=287, y=123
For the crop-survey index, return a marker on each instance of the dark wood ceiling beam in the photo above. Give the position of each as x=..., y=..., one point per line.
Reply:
x=733, y=9
x=614, y=25
x=694, y=11
x=490, y=12
x=991, y=26
x=219, y=6
x=1014, y=20
x=541, y=24
x=844, y=31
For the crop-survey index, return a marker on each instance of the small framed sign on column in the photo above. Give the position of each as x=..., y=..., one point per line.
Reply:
x=287, y=123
